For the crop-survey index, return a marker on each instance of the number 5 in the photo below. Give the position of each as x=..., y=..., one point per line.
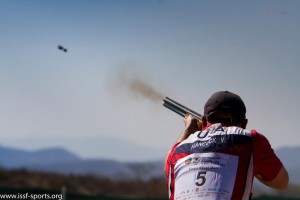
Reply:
x=200, y=180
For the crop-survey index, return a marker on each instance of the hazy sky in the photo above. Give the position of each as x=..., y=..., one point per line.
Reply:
x=184, y=49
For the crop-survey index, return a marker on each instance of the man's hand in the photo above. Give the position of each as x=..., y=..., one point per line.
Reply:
x=191, y=126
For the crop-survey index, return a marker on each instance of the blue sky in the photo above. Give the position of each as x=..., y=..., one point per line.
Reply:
x=185, y=49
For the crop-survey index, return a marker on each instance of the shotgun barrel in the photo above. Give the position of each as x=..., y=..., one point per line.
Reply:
x=179, y=108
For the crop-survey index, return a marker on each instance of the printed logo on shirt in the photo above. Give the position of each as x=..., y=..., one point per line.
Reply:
x=209, y=175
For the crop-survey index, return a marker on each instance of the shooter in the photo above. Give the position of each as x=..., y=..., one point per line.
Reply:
x=220, y=159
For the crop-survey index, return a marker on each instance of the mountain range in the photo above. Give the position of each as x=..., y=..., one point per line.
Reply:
x=62, y=161
x=59, y=160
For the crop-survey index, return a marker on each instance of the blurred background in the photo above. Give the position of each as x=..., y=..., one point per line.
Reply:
x=82, y=83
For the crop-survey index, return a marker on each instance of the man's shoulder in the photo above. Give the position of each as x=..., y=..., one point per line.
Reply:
x=259, y=139
x=257, y=135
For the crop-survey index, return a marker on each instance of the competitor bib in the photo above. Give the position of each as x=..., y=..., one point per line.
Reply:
x=209, y=176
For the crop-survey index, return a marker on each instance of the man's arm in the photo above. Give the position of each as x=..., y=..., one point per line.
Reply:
x=191, y=126
x=268, y=168
x=280, y=182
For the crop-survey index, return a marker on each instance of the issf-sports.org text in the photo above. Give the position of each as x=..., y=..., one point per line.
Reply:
x=31, y=196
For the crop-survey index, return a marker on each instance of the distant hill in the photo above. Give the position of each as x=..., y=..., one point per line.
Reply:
x=104, y=147
x=14, y=158
x=291, y=159
x=105, y=168
x=289, y=156
x=62, y=161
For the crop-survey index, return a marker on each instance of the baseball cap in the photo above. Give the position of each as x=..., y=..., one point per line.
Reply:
x=225, y=101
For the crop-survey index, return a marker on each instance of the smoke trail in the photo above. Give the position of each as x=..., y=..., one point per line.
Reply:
x=141, y=88
x=129, y=83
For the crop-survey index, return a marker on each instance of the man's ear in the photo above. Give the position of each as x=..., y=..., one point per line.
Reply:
x=244, y=123
x=204, y=122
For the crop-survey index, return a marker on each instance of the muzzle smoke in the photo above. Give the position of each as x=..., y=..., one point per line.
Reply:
x=130, y=84
x=143, y=89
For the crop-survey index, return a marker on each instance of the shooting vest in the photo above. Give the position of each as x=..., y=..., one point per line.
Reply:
x=213, y=164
